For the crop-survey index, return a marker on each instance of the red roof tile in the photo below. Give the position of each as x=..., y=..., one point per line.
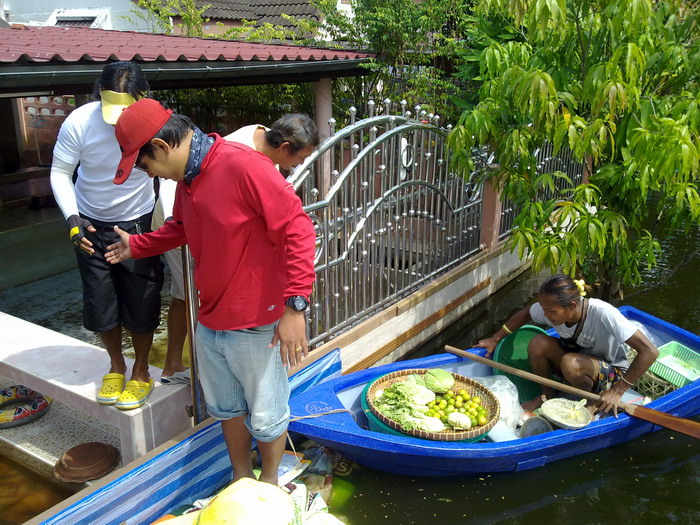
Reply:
x=73, y=44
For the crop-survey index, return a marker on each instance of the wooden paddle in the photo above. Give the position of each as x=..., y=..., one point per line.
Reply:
x=685, y=426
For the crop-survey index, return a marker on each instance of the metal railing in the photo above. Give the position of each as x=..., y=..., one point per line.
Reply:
x=565, y=162
x=391, y=216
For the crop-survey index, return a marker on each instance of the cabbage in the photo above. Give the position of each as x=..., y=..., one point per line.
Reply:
x=459, y=421
x=430, y=424
x=416, y=378
x=420, y=422
x=439, y=380
x=406, y=404
x=406, y=393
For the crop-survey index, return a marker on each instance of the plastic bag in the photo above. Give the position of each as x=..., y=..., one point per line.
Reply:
x=507, y=394
x=566, y=413
x=630, y=352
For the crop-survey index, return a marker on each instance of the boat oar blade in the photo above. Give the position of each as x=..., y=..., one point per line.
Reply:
x=684, y=426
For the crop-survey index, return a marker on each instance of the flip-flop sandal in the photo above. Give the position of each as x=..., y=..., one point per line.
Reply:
x=177, y=378
x=112, y=387
x=134, y=395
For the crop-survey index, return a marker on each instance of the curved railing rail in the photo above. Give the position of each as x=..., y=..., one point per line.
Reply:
x=390, y=215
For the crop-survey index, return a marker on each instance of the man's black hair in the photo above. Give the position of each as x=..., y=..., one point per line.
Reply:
x=296, y=129
x=172, y=132
x=122, y=77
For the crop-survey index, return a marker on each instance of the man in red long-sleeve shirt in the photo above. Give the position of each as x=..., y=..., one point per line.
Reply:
x=253, y=247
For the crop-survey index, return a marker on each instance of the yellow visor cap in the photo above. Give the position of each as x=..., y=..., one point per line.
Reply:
x=113, y=103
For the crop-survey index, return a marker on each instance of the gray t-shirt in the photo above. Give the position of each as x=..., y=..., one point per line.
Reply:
x=603, y=335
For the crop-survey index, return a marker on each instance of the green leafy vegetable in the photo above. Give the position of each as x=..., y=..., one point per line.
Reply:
x=459, y=421
x=416, y=378
x=406, y=403
x=439, y=380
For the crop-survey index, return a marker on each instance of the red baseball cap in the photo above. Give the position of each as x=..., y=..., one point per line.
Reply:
x=137, y=124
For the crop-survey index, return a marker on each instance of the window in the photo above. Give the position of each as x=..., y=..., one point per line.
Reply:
x=92, y=17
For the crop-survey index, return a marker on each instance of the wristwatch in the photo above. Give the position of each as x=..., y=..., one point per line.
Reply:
x=298, y=302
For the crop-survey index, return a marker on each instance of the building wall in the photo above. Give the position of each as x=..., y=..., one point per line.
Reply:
x=37, y=12
x=213, y=27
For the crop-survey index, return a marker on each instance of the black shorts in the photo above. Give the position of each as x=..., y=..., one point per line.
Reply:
x=127, y=293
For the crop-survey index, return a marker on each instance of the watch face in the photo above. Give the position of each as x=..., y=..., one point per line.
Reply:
x=299, y=304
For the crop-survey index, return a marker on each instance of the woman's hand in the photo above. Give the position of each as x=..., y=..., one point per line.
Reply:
x=610, y=399
x=489, y=344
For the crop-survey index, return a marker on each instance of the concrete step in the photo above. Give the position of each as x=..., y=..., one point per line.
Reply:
x=38, y=445
x=70, y=371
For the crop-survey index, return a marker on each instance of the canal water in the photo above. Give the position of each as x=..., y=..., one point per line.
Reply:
x=655, y=479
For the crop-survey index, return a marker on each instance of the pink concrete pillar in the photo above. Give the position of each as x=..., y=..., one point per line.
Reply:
x=490, y=216
x=323, y=98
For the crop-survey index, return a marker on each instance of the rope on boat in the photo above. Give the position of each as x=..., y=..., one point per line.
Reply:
x=335, y=411
x=310, y=416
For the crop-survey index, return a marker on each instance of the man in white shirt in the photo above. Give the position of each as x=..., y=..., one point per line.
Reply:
x=127, y=294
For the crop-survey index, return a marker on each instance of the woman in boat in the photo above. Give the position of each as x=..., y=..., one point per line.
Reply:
x=589, y=353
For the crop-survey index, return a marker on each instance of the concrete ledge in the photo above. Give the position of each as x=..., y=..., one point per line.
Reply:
x=29, y=445
x=71, y=371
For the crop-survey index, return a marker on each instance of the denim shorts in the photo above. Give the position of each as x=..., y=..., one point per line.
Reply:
x=241, y=376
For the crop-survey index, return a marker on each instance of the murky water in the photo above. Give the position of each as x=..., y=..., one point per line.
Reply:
x=23, y=496
x=654, y=479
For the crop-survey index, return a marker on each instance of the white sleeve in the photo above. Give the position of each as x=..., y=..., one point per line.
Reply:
x=617, y=324
x=62, y=186
x=166, y=193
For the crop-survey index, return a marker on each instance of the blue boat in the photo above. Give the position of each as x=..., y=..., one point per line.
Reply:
x=196, y=464
x=348, y=433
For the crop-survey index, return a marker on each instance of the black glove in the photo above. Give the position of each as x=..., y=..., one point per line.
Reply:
x=77, y=226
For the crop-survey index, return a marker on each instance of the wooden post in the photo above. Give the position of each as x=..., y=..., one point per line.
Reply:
x=490, y=216
x=323, y=97
x=587, y=169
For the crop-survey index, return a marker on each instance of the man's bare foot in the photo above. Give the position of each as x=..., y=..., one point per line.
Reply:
x=271, y=480
x=250, y=475
x=533, y=404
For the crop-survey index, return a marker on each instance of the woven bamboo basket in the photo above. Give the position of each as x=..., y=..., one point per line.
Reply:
x=653, y=386
x=650, y=384
x=488, y=401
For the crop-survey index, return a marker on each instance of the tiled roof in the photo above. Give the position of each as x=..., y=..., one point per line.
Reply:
x=227, y=9
x=74, y=44
x=262, y=11
x=66, y=60
x=271, y=11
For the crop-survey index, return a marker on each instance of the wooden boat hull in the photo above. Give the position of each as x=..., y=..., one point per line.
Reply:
x=416, y=457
